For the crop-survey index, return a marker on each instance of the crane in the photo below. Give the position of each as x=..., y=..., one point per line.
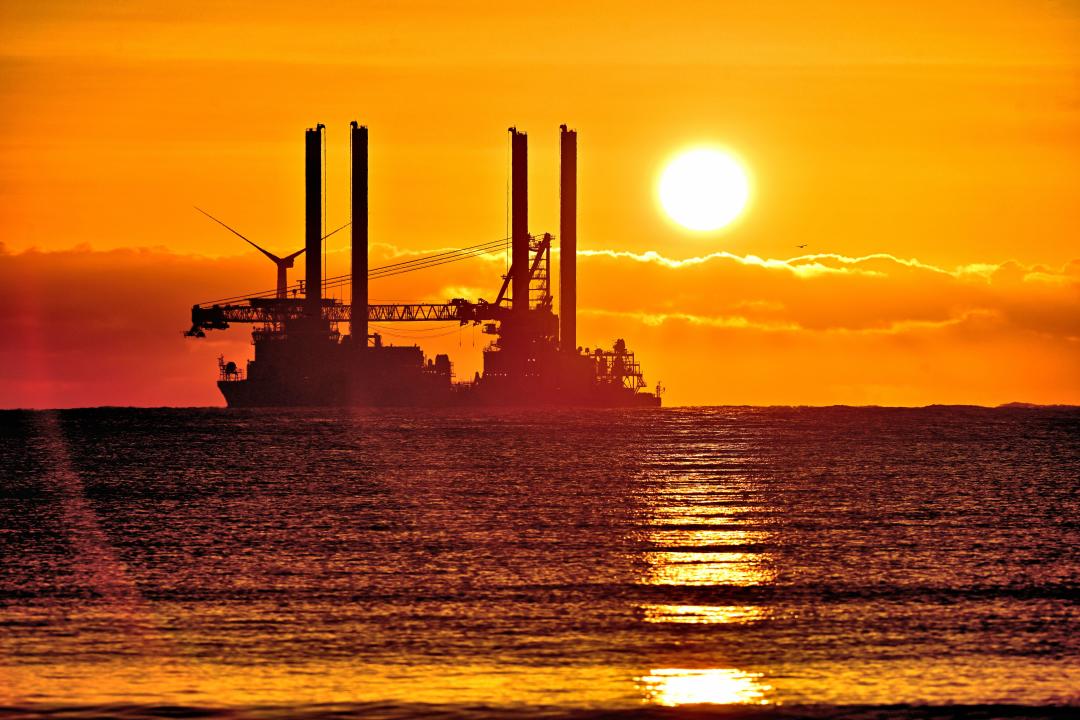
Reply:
x=278, y=308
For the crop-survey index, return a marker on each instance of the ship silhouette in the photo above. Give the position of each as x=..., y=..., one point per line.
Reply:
x=303, y=359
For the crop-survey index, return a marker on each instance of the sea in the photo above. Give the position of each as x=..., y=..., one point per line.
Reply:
x=729, y=562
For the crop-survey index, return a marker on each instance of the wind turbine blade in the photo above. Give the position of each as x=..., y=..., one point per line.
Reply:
x=268, y=254
x=338, y=230
x=290, y=257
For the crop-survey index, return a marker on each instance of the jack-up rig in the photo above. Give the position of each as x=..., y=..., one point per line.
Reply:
x=302, y=359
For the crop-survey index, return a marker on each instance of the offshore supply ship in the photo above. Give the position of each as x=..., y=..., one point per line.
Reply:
x=303, y=359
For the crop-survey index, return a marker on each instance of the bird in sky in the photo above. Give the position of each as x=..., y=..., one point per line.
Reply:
x=800, y=246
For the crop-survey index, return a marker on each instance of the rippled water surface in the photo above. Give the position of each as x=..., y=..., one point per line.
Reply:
x=388, y=564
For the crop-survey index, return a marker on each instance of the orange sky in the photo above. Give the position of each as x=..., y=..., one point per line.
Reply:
x=927, y=153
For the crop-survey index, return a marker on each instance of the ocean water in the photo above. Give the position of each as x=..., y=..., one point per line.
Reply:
x=731, y=562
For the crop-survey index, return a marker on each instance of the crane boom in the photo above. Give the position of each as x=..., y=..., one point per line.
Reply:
x=267, y=310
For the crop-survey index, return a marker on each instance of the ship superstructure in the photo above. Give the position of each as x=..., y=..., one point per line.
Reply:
x=303, y=359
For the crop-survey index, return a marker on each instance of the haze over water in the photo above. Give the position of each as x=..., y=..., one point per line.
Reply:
x=521, y=563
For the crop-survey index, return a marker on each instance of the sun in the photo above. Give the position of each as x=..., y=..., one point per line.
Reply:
x=704, y=189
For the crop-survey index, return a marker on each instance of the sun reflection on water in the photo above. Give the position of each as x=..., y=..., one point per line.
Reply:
x=704, y=510
x=707, y=568
x=720, y=686
x=708, y=535
x=705, y=533
x=704, y=614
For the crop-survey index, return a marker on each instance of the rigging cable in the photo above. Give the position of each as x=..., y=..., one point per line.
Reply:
x=419, y=264
x=395, y=333
x=462, y=253
x=419, y=332
x=389, y=270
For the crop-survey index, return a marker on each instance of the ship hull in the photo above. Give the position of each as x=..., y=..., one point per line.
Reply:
x=317, y=369
x=253, y=394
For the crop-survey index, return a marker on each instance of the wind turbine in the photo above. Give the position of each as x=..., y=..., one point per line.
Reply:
x=282, y=263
